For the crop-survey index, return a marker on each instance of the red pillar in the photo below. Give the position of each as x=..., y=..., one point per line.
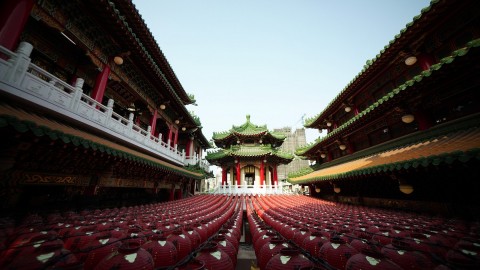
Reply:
x=179, y=194
x=170, y=132
x=262, y=173
x=101, y=84
x=224, y=176
x=425, y=61
x=238, y=173
x=14, y=15
x=176, y=137
x=153, y=122
x=172, y=194
x=350, y=149
x=275, y=175
x=423, y=120
x=189, y=145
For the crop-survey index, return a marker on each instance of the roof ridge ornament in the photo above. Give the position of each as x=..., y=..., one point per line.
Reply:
x=248, y=118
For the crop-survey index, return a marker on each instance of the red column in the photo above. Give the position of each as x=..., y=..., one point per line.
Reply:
x=172, y=194
x=238, y=173
x=425, y=61
x=176, y=137
x=262, y=173
x=170, y=132
x=14, y=15
x=275, y=175
x=153, y=122
x=101, y=84
x=350, y=149
x=189, y=145
x=179, y=194
x=424, y=122
x=224, y=176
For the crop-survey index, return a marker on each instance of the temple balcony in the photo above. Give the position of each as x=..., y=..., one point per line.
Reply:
x=21, y=79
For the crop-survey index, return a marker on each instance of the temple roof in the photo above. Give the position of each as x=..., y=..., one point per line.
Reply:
x=443, y=145
x=372, y=66
x=248, y=129
x=122, y=21
x=387, y=98
x=128, y=15
x=249, y=151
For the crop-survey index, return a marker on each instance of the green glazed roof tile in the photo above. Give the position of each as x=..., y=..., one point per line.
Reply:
x=311, y=120
x=444, y=61
x=247, y=129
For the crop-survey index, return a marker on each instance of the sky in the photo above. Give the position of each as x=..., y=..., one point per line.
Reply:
x=279, y=61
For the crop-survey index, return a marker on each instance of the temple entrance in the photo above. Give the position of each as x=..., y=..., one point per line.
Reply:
x=250, y=178
x=249, y=175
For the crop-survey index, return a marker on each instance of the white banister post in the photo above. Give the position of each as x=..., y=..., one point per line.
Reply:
x=130, y=122
x=149, y=132
x=183, y=156
x=109, y=111
x=160, y=138
x=77, y=95
x=20, y=63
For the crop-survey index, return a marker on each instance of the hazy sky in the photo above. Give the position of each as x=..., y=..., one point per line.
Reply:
x=275, y=60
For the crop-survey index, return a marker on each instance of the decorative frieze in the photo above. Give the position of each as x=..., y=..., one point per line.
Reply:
x=34, y=178
x=127, y=183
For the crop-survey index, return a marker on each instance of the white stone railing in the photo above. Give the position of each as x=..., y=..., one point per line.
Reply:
x=250, y=190
x=20, y=78
x=196, y=160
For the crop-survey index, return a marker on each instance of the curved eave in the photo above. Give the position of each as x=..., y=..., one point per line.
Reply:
x=461, y=146
x=141, y=29
x=202, y=139
x=249, y=134
x=248, y=152
x=404, y=37
x=222, y=136
x=219, y=136
x=213, y=156
x=305, y=150
x=125, y=21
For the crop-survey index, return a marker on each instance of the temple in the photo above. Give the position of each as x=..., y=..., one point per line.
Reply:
x=248, y=155
x=407, y=125
x=101, y=158
x=91, y=110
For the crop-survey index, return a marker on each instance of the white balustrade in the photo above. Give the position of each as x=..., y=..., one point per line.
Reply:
x=250, y=189
x=19, y=77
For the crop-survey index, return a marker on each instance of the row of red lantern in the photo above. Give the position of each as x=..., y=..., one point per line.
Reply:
x=48, y=247
x=421, y=248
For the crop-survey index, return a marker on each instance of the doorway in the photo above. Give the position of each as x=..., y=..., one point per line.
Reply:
x=249, y=175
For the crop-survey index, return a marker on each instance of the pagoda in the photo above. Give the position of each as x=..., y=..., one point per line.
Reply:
x=248, y=155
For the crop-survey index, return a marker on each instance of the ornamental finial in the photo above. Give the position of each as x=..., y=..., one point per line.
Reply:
x=248, y=117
